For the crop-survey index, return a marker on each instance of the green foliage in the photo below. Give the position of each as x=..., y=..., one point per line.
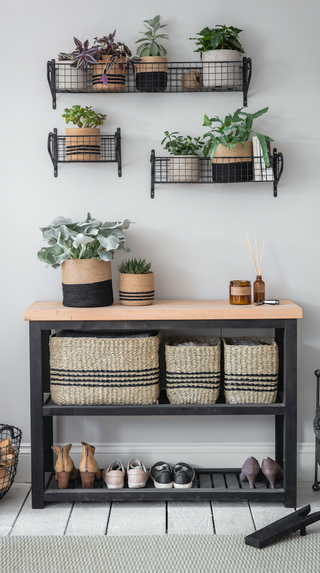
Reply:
x=218, y=38
x=83, y=116
x=89, y=239
x=135, y=267
x=179, y=145
x=233, y=129
x=150, y=46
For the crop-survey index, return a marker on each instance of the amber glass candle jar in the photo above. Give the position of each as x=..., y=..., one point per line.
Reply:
x=259, y=289
x=240, y=292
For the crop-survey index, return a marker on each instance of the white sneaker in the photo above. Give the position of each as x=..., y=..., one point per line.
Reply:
x=113, y=475
x=137, y=474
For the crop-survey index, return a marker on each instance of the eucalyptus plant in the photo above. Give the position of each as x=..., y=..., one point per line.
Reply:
x=89, y=239
x=135, y=267
x=151, y=46
x=83, y=116
x=179, y=145
x=235, y=128
x=218, y=38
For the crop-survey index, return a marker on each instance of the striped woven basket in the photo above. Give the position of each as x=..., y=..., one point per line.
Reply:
x=86, y=368
x=193, y=372
x=251, y=367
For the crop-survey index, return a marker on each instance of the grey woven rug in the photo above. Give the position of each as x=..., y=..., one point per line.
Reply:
x=158, y=553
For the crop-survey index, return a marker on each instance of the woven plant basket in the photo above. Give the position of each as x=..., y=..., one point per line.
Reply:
x=184, y=169
x=86, y=283
x=136, y=290
x=193, y=372
x=151, y=74
x=191, y=81
x=10, y=440
x=83, y=143
x=250, y=371
x=116, y=76
x=86, y=368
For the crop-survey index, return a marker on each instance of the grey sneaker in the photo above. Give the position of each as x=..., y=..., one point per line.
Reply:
x=113, y=475
x=161, y=475
x=183, y=475
x=137, y=474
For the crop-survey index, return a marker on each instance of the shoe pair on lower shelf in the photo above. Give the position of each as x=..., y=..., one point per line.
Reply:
x=252, y=472
x=114, y=474
x=180, y=476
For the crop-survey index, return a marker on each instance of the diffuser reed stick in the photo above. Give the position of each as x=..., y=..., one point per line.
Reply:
x=259, y=285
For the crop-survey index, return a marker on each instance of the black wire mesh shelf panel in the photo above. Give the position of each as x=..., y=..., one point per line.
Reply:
x=197, y=170
x=169, y=77
x=84, y=149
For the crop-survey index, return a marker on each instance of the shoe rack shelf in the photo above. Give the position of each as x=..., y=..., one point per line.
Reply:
x=165, y=171
x=180, y=77
x=165, y=316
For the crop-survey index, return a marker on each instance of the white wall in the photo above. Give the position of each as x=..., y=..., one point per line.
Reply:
x=194, y=235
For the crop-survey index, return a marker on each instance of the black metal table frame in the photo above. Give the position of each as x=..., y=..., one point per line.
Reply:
x=43, y=410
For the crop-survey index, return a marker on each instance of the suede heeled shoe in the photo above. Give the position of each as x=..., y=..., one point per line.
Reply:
x=271, y=469
x=88, y=466
x=250, y=471
x=64, y=468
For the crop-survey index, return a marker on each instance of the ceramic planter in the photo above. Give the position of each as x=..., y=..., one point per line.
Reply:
x=69, y=79
x=116, y=76
x=184, y=169
x=235, y=165
x=86, y=283
x=222, y=69
x=83, y=143
x=151, y=74
x=136, y=290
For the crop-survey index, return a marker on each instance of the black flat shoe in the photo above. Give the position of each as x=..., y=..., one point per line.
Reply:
x=183, y=475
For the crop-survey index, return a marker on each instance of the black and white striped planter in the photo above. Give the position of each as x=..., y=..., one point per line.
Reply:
x=83, y=143
x=136, y=290
x=86, y=283
x=116, y=76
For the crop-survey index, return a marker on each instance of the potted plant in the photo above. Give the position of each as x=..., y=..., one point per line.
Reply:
x=84, y=251
x=151, y=75
x=220, y=51
x=184, y=167
x=136, y=282
x=113, y=59
x=229, y=147
x=83, y=142
x=71, y=74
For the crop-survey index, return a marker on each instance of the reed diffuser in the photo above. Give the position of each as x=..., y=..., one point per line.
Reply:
x=259, y=287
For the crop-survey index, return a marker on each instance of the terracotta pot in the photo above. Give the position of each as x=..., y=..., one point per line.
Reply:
x=86, y=283
x=184, y=169
x=233, y=166
x=224, y=71
x=136, y=290
x=116, y=76
x=151, y=74
x=83, y=143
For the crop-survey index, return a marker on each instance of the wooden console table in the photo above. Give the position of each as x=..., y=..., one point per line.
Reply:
x=210, y=483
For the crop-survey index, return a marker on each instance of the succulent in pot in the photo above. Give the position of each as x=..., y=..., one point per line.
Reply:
x=184, y=167
x=113, y=59
x=73, y=76
x=220, y=51
x=136, y=282
x=229, y=147
x=84, y=250
x=151, y=74
x=83, y=141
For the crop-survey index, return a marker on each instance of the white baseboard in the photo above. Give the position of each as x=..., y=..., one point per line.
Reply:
x=198, y=454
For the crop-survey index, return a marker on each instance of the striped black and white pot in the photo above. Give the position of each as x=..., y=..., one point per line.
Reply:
x=86, y=283
x=136, y=290
x=83, y=143
x=116, y=76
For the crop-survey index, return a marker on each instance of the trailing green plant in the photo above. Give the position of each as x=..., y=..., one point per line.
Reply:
x=83, y=116
x=151, y=46
x=235, y=128
x=82, y=56
x=89, y=239
x=135, y=267
x=179, y=145
x=218, y=38
x=117, y=50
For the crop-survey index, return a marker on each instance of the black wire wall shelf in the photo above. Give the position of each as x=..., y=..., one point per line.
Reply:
x=172, y=77
x=197, y=170
x=84, y=149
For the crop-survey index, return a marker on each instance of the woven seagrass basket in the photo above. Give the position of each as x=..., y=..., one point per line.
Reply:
x=251, y=367
x=91, y=368
x=193, y=372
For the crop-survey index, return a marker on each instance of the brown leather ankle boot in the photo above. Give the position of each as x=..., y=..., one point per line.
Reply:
x=88, y=466
x=64, y=468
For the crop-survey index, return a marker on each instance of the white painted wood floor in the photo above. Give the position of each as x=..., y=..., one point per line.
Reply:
x=144, y=518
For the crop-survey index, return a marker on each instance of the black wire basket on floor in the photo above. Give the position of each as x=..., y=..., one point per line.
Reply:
x=10, y=439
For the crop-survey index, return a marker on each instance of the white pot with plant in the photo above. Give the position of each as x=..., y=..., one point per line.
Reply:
x=83, y=142
x=84, y=250
x=227, y=142
x=151, y=73
x=109, y=73
x=220, y=51
x=74, y=70
x=184, y=167
x=136, y=282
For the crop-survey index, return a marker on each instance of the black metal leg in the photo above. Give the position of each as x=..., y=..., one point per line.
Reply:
x=37, y=460
x=290, y=418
